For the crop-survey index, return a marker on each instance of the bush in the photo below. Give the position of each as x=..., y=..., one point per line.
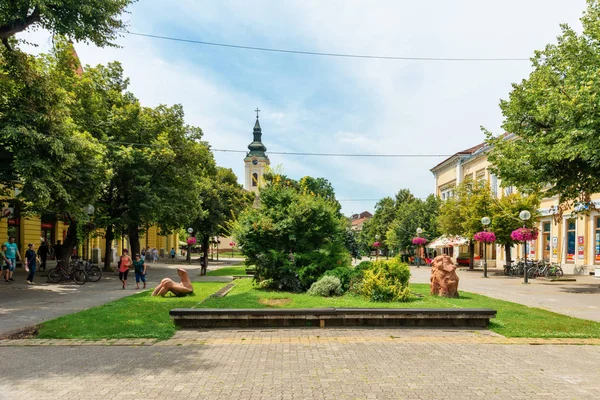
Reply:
x=327, y=286
x=384, y=281
x=344, y=274
x=279, y=269
x=266, y=284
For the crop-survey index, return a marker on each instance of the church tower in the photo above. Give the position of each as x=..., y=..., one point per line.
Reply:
x=256, y=160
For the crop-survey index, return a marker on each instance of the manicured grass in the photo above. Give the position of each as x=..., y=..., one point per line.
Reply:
x=228, y=271
x=513, y=320
x=137, y=316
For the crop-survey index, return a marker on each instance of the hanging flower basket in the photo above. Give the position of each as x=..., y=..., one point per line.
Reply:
x=191, y=240
x=232, y=244
x=419, y=241
x=524, y=234
x=376, y=244
x=485, y=237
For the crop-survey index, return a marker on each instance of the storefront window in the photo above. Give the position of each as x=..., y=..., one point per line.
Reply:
x=571, y=241
x=47, y=233
x=597, y=241
x=546, y=240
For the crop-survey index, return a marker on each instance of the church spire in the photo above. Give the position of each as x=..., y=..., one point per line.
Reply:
x=257, y=148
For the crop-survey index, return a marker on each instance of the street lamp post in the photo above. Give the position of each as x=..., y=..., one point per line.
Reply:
x=89, y=210
x=419, y=231
x=189, y=247
x=485, y=221
x=524, y=216
x=376, y=245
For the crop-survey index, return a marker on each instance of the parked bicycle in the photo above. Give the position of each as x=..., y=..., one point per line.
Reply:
x=64, y=273
x=93, y=272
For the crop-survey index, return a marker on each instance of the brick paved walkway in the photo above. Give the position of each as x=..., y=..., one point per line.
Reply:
x=305, y=364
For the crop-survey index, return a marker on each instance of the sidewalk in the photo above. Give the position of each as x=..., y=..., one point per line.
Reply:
x=579, y=299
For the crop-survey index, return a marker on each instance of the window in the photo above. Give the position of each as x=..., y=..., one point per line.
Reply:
x=571, y=240
x=447, y=193
x=546, y=240
x=508, y=190
x=597, y=241
x=494, y=185
x=255, y=179
x=480, y=175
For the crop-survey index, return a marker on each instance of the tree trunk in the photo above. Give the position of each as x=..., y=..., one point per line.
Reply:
x=507, y=254
x=188, y=255
x=110, y=236
x=69, y=244
x=471, y=254
x=134, y=239
x=204, y=258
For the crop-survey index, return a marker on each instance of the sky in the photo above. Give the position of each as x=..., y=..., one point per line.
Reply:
x=336, y=105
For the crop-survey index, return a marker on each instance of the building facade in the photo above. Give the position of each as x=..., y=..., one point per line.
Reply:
x=571, y=240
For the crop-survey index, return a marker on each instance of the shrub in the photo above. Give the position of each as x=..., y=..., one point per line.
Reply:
x=266, y=284
x=344, y=274
x=279, y=268
x=384, y=281
x=326, y=286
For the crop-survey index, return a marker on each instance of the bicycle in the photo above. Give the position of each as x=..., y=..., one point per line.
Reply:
x=93, y=272
x=61, y=272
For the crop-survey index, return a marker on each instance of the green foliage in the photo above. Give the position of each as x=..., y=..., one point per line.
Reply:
x=327, y=286
x=344, y=274
x=96, y=21
x=385, y=280
x=293, y=237
x=555, y=115
x=461, y=214
x=412, y=214
x=504, y=214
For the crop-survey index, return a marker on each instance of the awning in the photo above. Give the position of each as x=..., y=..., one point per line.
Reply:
x=447, y=241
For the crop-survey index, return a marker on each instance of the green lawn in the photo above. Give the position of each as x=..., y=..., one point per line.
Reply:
x=513, y=320
x=228, y=271
x=137, y=316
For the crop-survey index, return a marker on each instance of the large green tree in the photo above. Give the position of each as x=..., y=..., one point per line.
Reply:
x=96, y=21
x=461, y=215
x=555, y=116
x=504, y=215
x=293, y=237
x=412, y=214
x=223, y=200
x=56, y=163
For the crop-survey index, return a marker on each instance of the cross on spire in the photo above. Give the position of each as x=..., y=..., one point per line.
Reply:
x=257, y=111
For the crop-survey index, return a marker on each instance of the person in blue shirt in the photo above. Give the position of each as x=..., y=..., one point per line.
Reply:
x=31, y=258
x=172, y=253
x=12, y=253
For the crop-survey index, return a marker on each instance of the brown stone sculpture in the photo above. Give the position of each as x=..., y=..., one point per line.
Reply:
x=444, y=281
x=178, y=289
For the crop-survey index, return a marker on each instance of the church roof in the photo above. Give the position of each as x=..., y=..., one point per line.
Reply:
x=257, y=148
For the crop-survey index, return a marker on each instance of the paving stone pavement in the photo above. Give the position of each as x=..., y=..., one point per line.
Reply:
x=289, y=364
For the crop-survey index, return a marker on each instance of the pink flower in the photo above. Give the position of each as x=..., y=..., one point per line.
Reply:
x=419, y=241
x=191, y=240
x=485, y=237
x=524, y=234
x=376, y=244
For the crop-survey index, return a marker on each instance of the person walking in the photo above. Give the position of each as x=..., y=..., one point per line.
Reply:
x=140, y=268
x=4, y=262
x=143, y=255
x=124, y=264
x=43, y=252
x=173, y=253
x=31, y=258
x=12, y=253
x=155, y=254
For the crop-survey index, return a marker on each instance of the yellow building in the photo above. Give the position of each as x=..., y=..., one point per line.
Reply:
x=36, y=229
x=573, y=241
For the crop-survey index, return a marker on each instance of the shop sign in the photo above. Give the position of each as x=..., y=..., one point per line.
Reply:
x=8, y=212
x=554, y=247
x=580, y=251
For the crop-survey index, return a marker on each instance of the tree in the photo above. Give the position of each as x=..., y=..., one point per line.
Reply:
x=555, y=115
x=376, y=228
x=504, y=214
x=293, y=237
x=58, y=166
x=461, y=215
x=96, y=21
x=412, y=214
x=223, y=200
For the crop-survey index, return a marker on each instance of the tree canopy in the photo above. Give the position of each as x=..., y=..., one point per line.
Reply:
x=96, y=21
x=411, y=214
x=555, y=116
